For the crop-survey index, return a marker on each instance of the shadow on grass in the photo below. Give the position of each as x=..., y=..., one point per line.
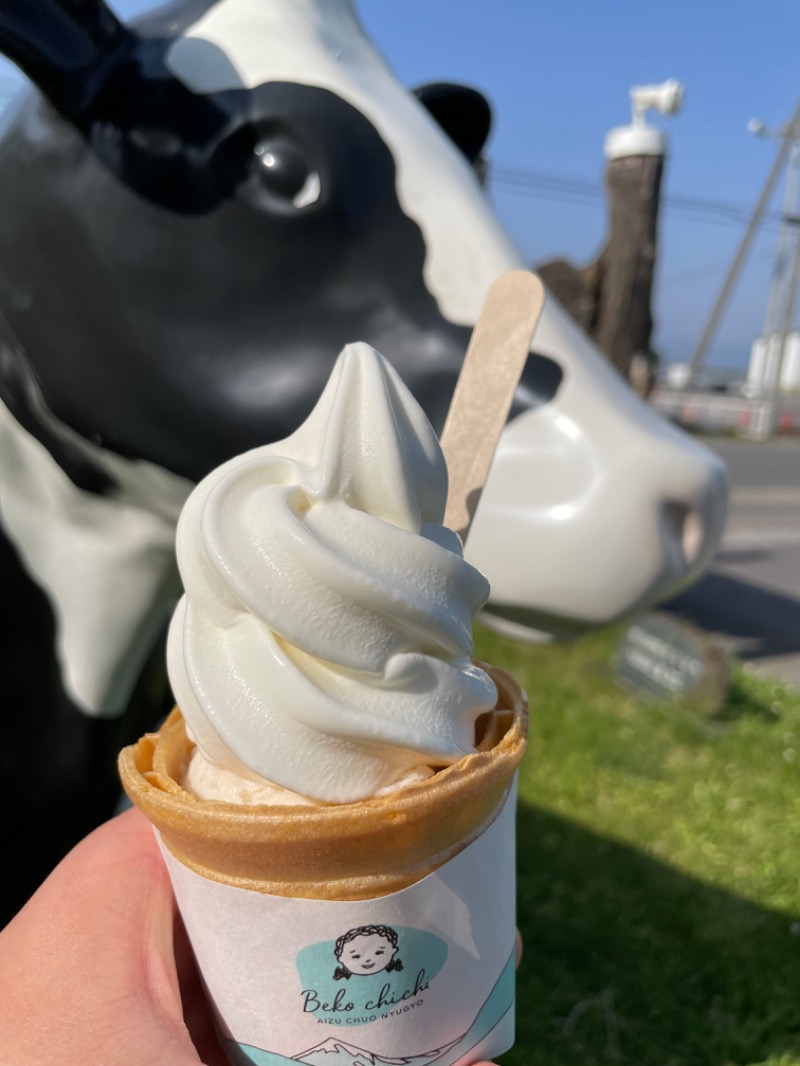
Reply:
x=628, y=961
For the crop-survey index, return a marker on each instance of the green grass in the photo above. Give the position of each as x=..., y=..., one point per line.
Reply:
x=659, y=859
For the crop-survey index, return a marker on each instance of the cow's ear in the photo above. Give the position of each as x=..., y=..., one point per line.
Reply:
x=63, y=46
x=463, y=113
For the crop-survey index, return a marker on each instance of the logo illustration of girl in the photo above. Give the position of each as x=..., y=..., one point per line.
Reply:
x=368, y=949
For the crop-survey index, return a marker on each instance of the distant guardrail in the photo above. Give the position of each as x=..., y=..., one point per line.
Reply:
x=722, y=412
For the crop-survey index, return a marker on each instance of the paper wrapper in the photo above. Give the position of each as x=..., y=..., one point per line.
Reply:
x=357, y=934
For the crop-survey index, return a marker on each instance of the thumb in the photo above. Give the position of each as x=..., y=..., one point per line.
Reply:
x=87, y=971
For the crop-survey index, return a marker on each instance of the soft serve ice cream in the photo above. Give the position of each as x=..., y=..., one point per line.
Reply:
x=336, y=794
x=323, y=643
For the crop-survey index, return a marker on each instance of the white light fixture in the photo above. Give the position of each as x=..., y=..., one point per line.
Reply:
x=638, y=138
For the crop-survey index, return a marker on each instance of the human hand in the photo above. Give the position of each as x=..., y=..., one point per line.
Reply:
x=96, y=967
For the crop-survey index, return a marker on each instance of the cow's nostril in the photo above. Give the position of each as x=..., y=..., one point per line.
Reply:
x=693, y=532
x=686, y=532
x=540, y=382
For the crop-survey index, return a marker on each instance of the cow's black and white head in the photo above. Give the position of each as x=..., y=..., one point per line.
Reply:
x=199, y=212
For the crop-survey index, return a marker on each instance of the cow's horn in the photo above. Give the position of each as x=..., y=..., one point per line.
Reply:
x=65, y=47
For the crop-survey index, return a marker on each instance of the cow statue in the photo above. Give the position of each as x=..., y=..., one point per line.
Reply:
x=198, y=212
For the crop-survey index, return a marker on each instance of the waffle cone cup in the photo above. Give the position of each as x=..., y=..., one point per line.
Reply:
x=353, y=851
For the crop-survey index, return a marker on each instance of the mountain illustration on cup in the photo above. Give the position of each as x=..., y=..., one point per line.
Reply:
x=344, y=1054
x=332, y=1052
x=366, y=950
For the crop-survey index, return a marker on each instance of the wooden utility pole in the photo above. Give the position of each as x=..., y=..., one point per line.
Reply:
x=635, y=155
x=624, y=322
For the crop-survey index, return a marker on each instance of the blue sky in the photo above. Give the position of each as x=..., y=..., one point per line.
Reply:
x=558, y=76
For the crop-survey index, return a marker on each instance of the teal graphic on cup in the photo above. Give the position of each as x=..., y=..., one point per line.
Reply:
x=336, y=1050
x=368, y=972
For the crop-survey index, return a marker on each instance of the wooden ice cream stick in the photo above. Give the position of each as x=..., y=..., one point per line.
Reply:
x=482, y=398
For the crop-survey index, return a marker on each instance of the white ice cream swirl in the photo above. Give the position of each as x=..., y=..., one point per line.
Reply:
x=324, y=640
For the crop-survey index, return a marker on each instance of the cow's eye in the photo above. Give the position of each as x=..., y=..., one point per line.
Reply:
x=285, y=172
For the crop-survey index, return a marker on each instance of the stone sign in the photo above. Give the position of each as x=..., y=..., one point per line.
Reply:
x=664, y=658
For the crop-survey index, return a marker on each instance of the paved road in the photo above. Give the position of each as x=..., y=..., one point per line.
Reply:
x=750, y=598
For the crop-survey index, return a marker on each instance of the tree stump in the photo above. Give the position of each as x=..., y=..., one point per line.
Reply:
x=611, y=298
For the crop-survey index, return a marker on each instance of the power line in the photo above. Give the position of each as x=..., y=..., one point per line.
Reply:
x=712, y=269
x=541, y=185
